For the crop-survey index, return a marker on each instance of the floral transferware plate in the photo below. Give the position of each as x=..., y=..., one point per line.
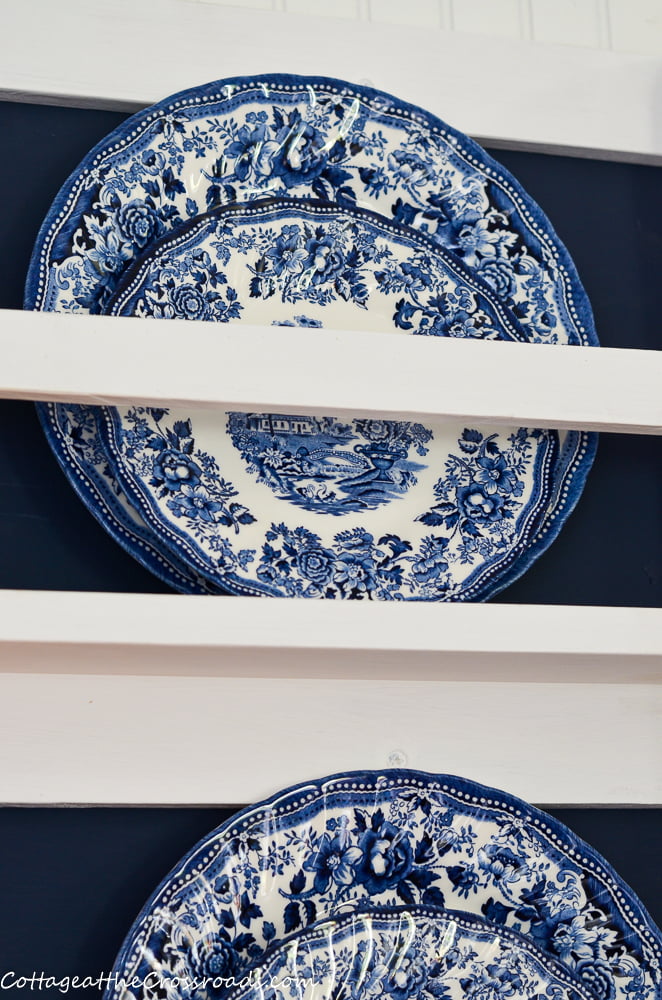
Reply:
x=387, y=839
x=405, y=953
x=244, y=138
x=294, y=506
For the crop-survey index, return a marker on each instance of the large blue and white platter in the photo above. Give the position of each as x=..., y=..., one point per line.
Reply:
x=244, y=138
x=288, y=505
x=327, y=847
x=404, y=953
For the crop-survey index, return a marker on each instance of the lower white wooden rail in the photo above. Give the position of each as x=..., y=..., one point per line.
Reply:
x=227, y=740
x=159, y=699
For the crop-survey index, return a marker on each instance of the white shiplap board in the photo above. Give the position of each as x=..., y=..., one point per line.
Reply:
x=223, y=741
x=130, y=53
x=47, y=356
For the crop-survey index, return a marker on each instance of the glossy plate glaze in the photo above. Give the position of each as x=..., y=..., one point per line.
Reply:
x=312, y=137
x=384, y=839
x=375, y=508
x=406, y=953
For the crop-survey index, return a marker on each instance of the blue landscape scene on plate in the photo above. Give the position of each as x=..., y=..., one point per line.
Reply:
x=392, y=839
x=490, y=491
x=327, y=465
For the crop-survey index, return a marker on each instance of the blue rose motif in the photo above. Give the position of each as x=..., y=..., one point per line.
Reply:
x=138, y=222
x=499, y=275
x=152, y=161
x=188, y=302
x=325, y=261
x=429, y=569
x=356, y=540
x=495, y=475
x=247, y=149
x=374, y=430
x=387, y=858
x=301, y=155
x=333, y=861
x=409, y=976
x=316, y=564
x=214, y=960
x=478, y=505
x=597, y=976
x=174, y=469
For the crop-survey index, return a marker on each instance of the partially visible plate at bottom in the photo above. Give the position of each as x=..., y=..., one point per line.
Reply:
x=383, y=839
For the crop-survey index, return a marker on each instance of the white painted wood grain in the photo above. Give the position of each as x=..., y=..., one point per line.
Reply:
x=566, y=22
x=497, y=18
x=47, y=356
x=131, y=53
x=636, y=25
x=160, y=635
x=221, y=741
x=418, y=13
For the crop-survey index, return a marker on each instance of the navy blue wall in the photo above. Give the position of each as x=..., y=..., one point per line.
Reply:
x=73, y=879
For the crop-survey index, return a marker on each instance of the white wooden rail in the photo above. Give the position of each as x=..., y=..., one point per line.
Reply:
x=109, y=698
x=47, y=356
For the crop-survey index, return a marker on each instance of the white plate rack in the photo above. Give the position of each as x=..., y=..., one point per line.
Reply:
x=166, y=699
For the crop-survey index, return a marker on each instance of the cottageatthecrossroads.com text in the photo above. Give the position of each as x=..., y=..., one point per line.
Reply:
x=106, y=981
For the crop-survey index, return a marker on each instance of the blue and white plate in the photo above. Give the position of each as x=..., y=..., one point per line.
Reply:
x=388, y=839
x=310, y=137
x=296, y=506
x=403, y=953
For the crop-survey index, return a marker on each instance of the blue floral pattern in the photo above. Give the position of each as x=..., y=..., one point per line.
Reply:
x=244, y=261
x=394, y=839
x=252, y=139
x=187, y=478
x=408, y=953
x=490, y=494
